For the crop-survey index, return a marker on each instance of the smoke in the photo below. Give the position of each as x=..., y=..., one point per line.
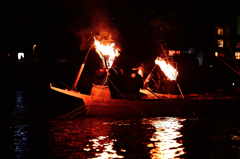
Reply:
x=96, y=22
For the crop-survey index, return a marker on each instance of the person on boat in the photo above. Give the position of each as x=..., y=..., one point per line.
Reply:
x=134, y=82
x=100, y=87
x=100, y=75
x=115, y=82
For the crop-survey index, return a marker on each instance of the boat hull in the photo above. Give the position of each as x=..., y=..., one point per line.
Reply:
x=162, y=107
x=99, y=107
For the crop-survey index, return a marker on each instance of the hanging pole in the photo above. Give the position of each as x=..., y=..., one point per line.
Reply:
x=74, y=87
x=149, y=75
x=165, y=53
x=168, y=62
x=180, y=90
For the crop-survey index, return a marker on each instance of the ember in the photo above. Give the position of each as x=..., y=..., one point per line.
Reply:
x=168, y=70
x=106, y=52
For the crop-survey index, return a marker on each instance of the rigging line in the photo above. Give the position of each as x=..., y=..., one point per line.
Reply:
x=111, y=98
x=102, y=85
x=172, y=74
x=73, y=115
x=105, y=80
x=129, y=101
x=164, y=100
x=71, y=112
x=148, y=77
x=227, y=65
x=66, y=86
x=233, y=58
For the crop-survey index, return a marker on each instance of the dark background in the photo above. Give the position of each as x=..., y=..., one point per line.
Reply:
x=65, y=30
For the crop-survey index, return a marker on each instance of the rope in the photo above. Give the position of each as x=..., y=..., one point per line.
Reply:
x=102, y=86
x=227, y=65
x=129, y=101
x=164, y=101
x=233, y=58
x=74, y=112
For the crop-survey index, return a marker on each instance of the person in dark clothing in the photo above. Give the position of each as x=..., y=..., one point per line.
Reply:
x=115, y=82
x=134, y=83
x=100, y=76
x=100, y=87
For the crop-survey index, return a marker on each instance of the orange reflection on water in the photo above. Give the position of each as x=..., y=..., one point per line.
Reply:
x=164, y=140
x=104, y=145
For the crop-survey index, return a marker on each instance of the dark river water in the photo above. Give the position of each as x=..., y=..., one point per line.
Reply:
x=26, y=136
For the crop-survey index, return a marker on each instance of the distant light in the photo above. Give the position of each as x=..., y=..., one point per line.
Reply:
x=20, y=55
x=210, y=65
x=34, y=45
x=233, y=84
x=9, y=55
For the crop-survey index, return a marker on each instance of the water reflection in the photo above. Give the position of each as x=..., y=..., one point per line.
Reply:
x=104, y=145
x=166, y=139
x=85, y=138
x=20, y=105
x=20, y=128
x=21, y=144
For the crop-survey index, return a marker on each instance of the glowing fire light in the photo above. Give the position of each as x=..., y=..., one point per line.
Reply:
x=168, y=70
x=140, y=72
x=106, y=52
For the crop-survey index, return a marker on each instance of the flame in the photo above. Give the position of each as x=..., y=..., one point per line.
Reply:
x=168, y=70
x=141, y=69
x=140, y=72
x=106, y=52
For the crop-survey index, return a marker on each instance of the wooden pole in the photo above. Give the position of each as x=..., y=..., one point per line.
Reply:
x=149, y=75
x=74, y=87
x=180, y=90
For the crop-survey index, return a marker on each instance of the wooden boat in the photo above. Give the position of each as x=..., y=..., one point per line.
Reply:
x=163, y=105
x=154, y=105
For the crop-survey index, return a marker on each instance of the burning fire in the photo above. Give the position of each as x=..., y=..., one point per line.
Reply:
x=140, y=70
x=106, y=52
x=168, y=70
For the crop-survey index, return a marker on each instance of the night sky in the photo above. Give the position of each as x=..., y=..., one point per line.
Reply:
x=61, y=28
x=65, y=30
